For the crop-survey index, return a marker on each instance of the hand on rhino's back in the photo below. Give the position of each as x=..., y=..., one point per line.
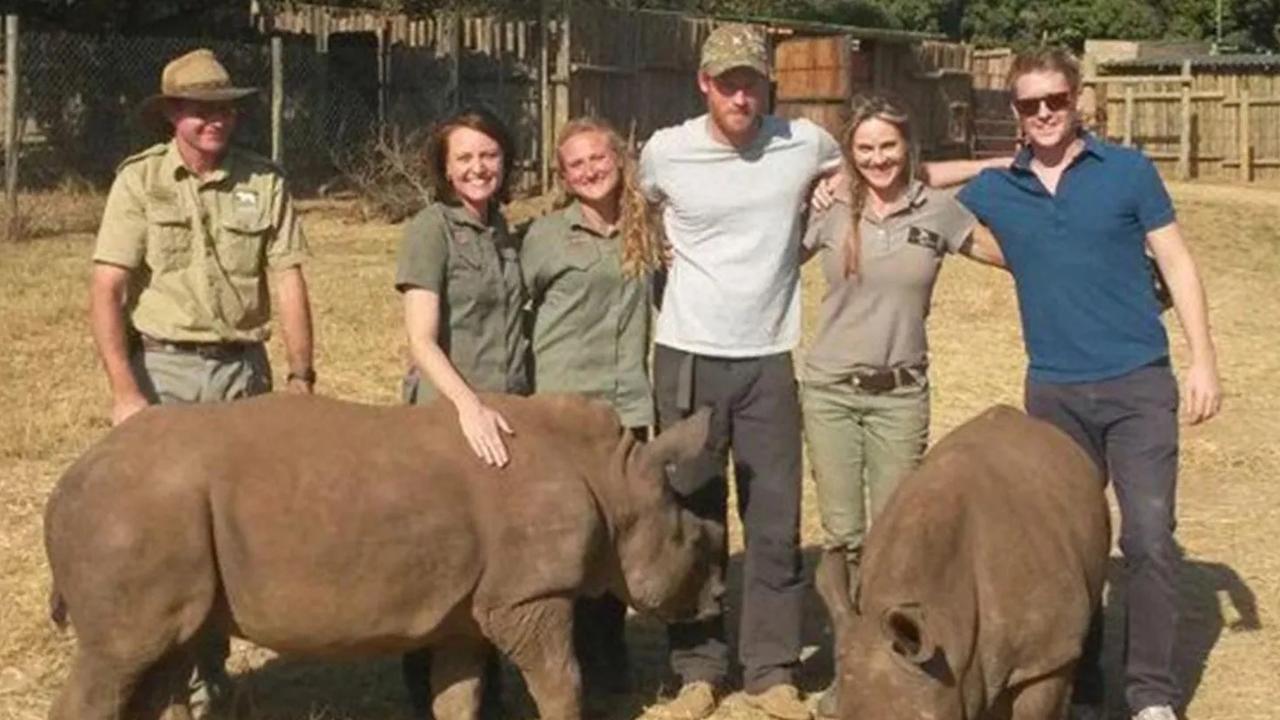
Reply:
x=284, y=424
x=319, y=527
x=353, y=512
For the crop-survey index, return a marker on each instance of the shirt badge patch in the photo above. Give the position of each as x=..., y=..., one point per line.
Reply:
x=925, y=238
x=246, y=199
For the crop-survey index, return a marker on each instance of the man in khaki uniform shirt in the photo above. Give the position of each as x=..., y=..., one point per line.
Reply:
x=179, y=303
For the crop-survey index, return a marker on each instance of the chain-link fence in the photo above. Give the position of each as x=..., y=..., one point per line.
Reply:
x=77, y=116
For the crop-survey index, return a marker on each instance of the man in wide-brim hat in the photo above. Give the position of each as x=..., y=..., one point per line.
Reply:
x=179, y=305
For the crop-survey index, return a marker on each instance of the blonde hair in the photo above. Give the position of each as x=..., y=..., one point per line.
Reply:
x=640, y=251
x=864, y=108
x=1046, y=59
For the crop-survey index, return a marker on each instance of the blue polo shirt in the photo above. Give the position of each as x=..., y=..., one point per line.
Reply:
x=1078, y=261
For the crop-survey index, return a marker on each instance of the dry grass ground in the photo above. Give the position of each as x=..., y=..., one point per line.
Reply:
x=54, y=399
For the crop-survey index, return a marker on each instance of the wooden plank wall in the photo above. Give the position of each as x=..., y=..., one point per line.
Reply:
x=933, y=79
x=1213, y=105
x=637, y=70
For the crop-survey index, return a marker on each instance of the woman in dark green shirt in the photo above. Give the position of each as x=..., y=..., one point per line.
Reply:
x=459, y=273
x=586, y=267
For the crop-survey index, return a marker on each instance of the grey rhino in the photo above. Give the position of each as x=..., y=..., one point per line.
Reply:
x=324, y=528
x=978, y=581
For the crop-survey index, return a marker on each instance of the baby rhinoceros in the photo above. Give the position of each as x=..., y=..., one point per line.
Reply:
x=978, y=581
x=324, y=528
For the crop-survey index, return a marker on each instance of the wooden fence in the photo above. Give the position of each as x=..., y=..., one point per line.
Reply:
x=1200, y=123
x=636, y=69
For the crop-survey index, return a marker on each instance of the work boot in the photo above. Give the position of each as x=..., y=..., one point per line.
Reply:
x=695, y=701
x=782, y=701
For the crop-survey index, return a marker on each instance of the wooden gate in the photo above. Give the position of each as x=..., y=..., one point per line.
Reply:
x=817, y=77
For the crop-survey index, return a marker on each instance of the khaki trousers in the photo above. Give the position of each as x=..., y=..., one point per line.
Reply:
x=860, y=445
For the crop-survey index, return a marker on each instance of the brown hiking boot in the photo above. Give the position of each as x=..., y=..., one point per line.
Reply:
x=695, y=701
x=782, y=701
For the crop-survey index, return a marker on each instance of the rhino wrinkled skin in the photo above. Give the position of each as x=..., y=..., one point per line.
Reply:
x=323, y=528
x=978, y=581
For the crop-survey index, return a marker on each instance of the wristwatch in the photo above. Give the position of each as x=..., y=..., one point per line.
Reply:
x=306, y=375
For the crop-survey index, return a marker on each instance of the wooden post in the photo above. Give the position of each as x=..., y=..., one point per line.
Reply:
x=564, y=68
x=1246, y=154
x=1129, y=105
x=11, y=115
x=384, y=43
x=277, y=99
x=544, y=96
x=1184, y=131
x=455, y=59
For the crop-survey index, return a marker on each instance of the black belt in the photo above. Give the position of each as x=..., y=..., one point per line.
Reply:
x=211, y=350
x=883, y=381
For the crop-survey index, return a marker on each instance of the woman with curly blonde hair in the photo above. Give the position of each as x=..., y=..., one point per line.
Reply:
x=586, y=268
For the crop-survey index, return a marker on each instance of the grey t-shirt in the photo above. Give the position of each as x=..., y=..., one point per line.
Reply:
x=876, y=319
x=733, y=220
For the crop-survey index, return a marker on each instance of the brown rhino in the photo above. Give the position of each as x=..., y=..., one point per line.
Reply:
x=978, y=580
x=325, y=528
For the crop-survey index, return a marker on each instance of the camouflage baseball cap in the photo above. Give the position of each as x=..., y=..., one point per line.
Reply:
x=734, y=46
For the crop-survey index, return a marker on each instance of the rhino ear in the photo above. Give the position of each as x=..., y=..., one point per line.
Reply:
x=680, y=442
x=905, y=628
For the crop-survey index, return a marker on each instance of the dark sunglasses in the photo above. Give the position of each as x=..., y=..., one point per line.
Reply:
x=1026, y=107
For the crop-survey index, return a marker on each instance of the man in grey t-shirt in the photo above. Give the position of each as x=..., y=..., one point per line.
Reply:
x=730, y=184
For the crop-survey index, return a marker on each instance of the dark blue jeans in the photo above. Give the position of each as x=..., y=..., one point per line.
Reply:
x=1129, y=426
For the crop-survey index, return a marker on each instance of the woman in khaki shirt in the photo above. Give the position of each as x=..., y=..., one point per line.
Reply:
x=866, y=392
x=586, y=267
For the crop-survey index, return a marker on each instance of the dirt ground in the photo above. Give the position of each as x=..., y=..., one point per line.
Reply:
x=55, y=403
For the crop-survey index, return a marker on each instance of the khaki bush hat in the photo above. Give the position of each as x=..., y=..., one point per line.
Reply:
x=734, y=46
x=195, y=76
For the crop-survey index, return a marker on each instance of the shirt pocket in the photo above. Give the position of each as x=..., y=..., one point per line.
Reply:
x=169, y=235
x=471, y=285
x=242, y=243
x=581, y=255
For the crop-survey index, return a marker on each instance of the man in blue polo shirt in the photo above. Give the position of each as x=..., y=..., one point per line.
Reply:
x=1074, y=217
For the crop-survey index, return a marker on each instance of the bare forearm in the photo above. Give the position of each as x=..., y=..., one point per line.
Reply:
x=106, y=323
x=1191, y=306
x=432, y=361
x=295, y=319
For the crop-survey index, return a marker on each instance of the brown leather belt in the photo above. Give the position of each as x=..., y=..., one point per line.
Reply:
x=211, y=350
x=883, y=381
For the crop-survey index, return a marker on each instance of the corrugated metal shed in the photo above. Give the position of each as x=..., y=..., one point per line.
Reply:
x=1242, y=62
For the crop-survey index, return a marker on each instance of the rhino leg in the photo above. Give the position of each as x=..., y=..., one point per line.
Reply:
x=538, y=637
x=1045, y=698
x=457, y=672
x=164, y=690
x=97, y=689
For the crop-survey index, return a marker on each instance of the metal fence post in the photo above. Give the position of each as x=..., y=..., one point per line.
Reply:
x=277, y=99
x=546, y=136
x=11, y=115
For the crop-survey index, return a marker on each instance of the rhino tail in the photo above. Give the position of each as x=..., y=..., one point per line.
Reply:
x=58, y=609
x=831, y=580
